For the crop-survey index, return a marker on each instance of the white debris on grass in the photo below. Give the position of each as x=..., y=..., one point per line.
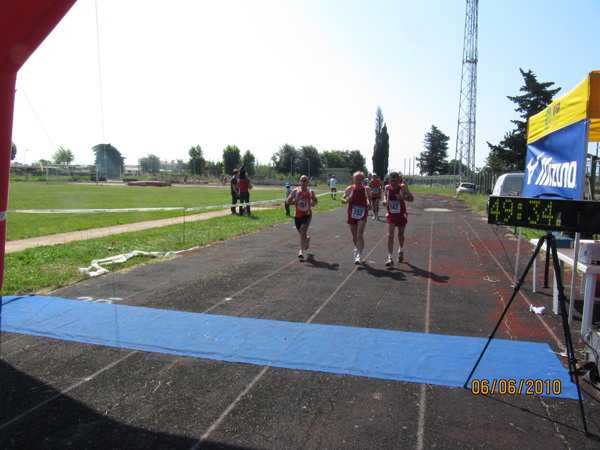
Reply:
x=96, y=264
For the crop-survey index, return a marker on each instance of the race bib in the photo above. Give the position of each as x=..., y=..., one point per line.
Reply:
x=303, y=205
x=358, y=212
x=375, y=190
x=394, y=207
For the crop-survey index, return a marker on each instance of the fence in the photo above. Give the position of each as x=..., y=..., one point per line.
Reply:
x=484, y=181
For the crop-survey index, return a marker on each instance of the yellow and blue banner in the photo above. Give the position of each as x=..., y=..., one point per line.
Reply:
x=556, y=163
x=557, y=140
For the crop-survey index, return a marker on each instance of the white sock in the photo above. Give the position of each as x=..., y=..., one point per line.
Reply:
x=391, y=256
x=399, y=249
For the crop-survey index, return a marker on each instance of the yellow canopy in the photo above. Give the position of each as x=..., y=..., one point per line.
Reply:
x=581, y=103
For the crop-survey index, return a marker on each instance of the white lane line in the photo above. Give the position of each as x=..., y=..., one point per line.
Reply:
x=423, y=393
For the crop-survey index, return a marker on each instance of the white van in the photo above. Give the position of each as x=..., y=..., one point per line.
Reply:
x=509, y=185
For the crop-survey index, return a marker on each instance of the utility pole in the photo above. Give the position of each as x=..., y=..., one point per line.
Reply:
x=465, y=133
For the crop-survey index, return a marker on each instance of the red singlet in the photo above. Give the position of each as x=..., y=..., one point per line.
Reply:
x=357, y=209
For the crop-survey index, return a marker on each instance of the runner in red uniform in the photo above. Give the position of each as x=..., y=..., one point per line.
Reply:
x=358, y=199
x=376, y=187
x=396, y=193
x=303, y=199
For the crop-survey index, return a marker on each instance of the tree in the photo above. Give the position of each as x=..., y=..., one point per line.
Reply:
x=333, y=158
x=381, y=151
x=109, y=161
x=150, y=164
x=249, y=161
x=180, y=165
x=231, y=158
x=453, y=166
x=432, y=161
x=63, y=156
x=197, y=163
x=356, y=161
x=309, y=161
x=13, y=151
x=495, y=164
x=286, y=159
x=511, y=152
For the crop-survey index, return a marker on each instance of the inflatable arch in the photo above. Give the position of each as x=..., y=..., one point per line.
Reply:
x=24, y=24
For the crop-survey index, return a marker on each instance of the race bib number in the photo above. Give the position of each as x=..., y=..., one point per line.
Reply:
x=394, y=207
x=375, y=190
x=303, y=205
x=358, y=212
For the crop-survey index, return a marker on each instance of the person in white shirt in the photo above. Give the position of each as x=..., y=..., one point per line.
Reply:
x=333, y=186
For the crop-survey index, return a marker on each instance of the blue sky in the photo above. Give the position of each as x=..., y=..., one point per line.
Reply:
x=259, y=74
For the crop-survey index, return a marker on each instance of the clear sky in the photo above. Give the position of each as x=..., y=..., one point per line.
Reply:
x=258, y=74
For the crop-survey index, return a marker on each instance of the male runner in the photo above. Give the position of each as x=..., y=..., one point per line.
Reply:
x=395, y=196
x=358, y=199
x=376, y=188
x=303, y=198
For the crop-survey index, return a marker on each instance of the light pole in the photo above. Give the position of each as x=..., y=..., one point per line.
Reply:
x=24, y=155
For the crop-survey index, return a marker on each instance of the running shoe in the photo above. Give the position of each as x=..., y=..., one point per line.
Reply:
x=400, y=256
x=307, y=243
x=357, y=261
x=301, y=255
x=390, y=262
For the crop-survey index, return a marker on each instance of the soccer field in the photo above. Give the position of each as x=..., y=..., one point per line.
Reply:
x=42, y=196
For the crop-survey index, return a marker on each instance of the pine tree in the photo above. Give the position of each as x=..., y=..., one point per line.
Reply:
x=432, y=161
x=381, y=150
x=511, y=152
x=109, y=161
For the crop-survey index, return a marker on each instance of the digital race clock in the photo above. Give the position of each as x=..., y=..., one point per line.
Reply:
x=581, y=216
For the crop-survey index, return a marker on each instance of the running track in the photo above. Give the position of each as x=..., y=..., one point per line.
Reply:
x=455, y=281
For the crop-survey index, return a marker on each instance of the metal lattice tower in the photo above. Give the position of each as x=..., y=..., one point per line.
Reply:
x=465, y=134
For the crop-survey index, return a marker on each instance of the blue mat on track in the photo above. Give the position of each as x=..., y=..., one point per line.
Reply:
x=391, y=355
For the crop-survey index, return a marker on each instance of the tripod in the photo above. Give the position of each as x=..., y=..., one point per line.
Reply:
x=550, y=242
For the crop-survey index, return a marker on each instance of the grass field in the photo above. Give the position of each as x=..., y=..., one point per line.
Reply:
x=30, y=196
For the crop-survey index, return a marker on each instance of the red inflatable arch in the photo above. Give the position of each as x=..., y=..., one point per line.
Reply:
x=24, y=24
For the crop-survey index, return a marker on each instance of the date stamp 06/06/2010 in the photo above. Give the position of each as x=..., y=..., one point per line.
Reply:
x=516, y=387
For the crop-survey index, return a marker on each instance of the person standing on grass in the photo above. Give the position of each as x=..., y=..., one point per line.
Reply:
x=244, y=185
x=333, y=186
x=235, y=192
x=304, y=199
x=395, y=195
x=358, y=199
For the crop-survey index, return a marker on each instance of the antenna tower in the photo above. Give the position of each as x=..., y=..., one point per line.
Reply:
x=465, y=134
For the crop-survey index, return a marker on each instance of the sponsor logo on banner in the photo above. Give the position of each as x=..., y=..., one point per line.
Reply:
x=552, y=111
x=555, y=163
x=555, y=174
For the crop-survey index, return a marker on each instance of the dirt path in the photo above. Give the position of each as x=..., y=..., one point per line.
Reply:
x=62, y=238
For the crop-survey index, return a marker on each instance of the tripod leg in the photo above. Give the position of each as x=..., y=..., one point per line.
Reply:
x=547, y=266
x=567, y=330
x=515, y=291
